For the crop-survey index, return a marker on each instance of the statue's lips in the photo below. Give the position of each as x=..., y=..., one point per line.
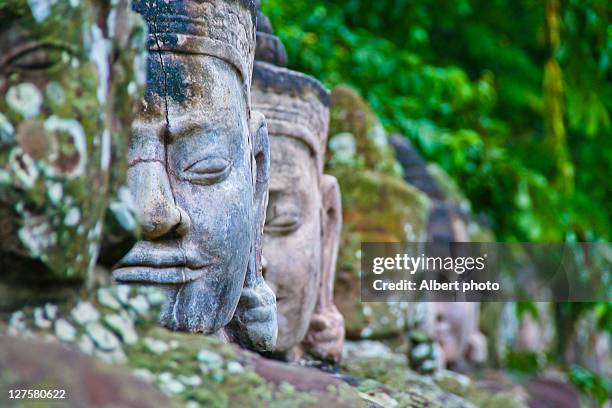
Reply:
x=148, y=263
x=171, y=275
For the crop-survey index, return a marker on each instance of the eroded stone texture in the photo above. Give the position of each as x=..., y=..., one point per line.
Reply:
x=68, y=80
x=198, y=171
x=304, y=218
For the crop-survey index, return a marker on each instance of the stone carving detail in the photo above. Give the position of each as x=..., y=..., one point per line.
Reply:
x=58, y=133
x=198, y=169
x=304, y=217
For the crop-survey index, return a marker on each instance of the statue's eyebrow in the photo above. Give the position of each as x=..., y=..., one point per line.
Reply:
x=180, y=128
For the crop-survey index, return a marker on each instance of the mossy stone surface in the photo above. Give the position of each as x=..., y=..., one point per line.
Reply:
x=377, y=206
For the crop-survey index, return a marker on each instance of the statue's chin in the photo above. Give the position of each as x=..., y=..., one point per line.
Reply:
x=186, y=310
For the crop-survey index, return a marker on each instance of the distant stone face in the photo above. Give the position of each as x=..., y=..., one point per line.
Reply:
x=455, y=327
x=303, y=220
x=198, y=171
x=69, y=76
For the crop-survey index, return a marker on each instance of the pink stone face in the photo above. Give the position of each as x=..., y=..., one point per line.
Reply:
x=455, y=327
x=303, y=219
x=292, y=243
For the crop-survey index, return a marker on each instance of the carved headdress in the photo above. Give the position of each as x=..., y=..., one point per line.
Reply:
x=295, y=105
x=220, y=28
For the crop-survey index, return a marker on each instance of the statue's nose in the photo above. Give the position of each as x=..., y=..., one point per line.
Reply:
x=158, y=213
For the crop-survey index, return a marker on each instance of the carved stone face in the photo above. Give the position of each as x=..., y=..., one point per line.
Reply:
x=192, y=184
x=292, y=240
x=61, y=121
x=303, y=220
x=455, y=327
x=198, y=173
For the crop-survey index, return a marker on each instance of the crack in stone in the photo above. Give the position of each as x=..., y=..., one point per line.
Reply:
x=169, y=171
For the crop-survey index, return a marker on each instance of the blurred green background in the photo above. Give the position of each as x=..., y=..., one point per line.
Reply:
x=511, y=97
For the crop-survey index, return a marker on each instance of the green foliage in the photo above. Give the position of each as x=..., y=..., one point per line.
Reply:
x=464, y=80
x=525, y=362
x=589, y=383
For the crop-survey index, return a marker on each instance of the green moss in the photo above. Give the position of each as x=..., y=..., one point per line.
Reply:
x=393, y=378
x=350, y=114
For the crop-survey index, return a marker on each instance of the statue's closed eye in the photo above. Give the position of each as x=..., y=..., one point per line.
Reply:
x=283, y=216
x=35, y=57
x=208, y=171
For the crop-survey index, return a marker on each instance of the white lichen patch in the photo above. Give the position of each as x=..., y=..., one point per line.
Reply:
x=343, y=147
x=7, y=131
x=40, y=320
x=132, y=88
x=192, y=380
x=103, y=338
x=17, y=323
x=86, y=345
x=23, y=168
x=378, y=136
x=50, y=311
x=106, y=297
x=41, y=9
x=105, y=151
x=234, y=367
x=55, y=94
x=5, y=178
x=140, y=67
x=84, y=312
x=99, y=53
x=169, y=384
x=74, y=130
x=65, y=331
x=155, y=346
x=72, y=218
x=111, y=23
x=25, y=99
x=55, y=191
x=124, y=216
x=409, y=233
x=123, y=327
x=36, y=235
x=210, y=359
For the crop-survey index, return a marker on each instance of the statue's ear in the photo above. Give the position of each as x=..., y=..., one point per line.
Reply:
x=331, y=223
x=261, y=173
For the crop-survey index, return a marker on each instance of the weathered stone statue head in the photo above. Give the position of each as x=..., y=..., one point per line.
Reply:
x=68, y=76
x=455, y=327
x=303, y=220
x=198, y=171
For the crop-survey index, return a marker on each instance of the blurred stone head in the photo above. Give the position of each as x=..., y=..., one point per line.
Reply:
x=303, y=217
x=455, y=326
x=198, y=169
x=69, y=74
